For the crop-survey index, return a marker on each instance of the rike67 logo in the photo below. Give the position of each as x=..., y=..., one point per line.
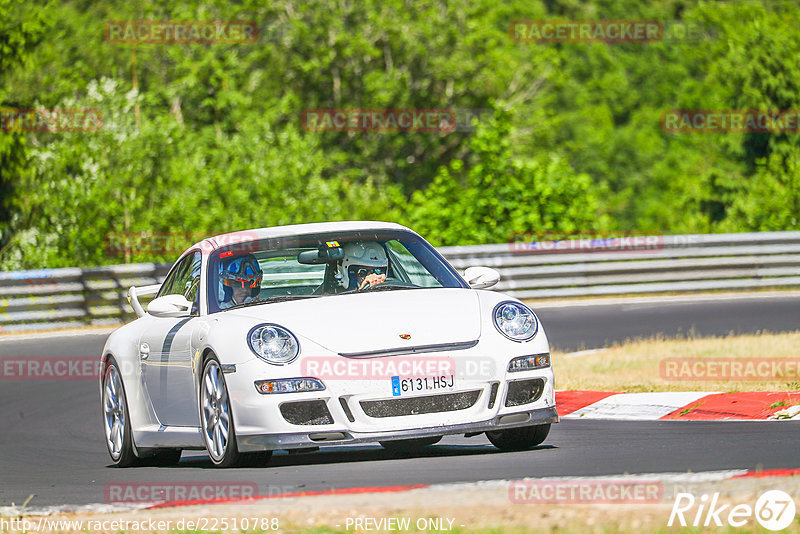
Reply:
x=774, y=510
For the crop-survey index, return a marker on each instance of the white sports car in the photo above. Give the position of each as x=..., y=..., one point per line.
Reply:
x=333, y=333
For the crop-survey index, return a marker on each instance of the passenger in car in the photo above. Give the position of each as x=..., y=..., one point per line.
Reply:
x=364, y=264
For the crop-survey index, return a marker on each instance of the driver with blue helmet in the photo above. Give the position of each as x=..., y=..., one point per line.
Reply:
x=240, y=280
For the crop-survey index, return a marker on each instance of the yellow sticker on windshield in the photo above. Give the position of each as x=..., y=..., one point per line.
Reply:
x=332, y=244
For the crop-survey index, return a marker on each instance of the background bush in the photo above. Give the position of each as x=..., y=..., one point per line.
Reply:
x=208, y=139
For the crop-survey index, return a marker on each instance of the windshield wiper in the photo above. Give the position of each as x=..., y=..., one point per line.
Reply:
x=277, y=298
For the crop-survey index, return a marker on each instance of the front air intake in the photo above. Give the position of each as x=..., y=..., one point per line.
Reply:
x=449, y=402
x=306, y=413
x=524, y=391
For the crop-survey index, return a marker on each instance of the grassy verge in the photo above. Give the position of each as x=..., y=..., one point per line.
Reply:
x=636, y=366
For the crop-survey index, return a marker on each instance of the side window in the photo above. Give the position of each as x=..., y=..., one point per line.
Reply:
x=192, y=284
x=184, y=279
x=166, y=286
x=408, y=266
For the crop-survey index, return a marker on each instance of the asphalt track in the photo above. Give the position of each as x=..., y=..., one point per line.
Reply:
x=51, y=439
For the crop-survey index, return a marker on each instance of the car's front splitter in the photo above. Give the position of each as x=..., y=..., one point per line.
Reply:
x=297, y=440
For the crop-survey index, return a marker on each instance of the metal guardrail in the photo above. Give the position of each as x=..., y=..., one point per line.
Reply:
x=638, y=265
x=60, y=298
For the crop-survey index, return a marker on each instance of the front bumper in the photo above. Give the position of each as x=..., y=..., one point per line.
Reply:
x=297, y=440
x=364, y=406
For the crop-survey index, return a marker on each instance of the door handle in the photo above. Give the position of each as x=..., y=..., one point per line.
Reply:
x=144, y=351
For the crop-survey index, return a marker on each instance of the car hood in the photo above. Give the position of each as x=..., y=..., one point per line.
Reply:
x=368, y=322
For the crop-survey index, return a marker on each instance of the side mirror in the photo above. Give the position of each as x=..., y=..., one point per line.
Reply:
x=481, y=277
x=170, y=306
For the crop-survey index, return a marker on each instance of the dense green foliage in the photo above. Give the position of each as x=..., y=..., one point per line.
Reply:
x=207, y=138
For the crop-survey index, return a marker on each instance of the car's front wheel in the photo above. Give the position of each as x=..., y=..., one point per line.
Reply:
x=216, y=418
x=518, y=439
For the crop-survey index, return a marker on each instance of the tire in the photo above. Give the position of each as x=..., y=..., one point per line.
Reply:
x=410, y=445
x=116, y=422
x=519, y=439
x=216, y=420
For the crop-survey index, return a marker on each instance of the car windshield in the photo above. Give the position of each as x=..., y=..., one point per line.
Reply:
x=321, y=265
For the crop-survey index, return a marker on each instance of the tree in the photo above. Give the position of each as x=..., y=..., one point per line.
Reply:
x=758, y=72
x=20, y=31
x=495, y=197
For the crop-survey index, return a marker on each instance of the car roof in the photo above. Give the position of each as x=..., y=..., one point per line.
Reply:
x=212, y=243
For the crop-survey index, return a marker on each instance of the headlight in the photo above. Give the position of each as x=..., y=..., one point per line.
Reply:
x=273, y=343
x=515, y=321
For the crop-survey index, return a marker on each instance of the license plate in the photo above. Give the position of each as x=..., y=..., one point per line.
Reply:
x=409, y=385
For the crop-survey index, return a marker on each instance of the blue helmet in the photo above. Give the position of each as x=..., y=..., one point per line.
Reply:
x=241, y=271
